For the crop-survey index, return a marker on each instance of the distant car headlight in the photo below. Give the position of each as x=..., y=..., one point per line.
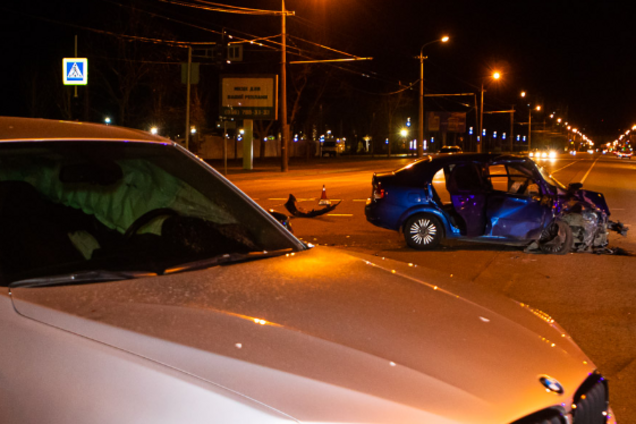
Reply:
x=544, y=155
x=531, y=154
x=552, y=154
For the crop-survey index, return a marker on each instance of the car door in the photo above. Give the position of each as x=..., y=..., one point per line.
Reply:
x=468, y=195
x=514, y=207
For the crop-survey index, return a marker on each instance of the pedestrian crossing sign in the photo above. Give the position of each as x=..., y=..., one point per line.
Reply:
x=75, y=71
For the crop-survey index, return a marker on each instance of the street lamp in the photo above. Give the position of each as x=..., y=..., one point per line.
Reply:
x=421, y=57
x=496, y=75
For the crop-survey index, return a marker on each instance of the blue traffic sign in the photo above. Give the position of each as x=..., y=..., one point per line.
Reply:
x=75, y=71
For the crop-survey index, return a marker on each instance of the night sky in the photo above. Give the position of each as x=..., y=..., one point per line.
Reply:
x=566, y=55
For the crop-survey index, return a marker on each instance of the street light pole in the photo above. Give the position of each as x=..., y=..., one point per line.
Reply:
x=421, y=57
x=481, y=120
x=496, y=75
x=420, y=142
x=512, y=128
x=529, y=128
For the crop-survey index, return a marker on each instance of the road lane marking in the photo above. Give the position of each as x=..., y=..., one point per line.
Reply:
x=309, y=199
x=339, y=214
x=589, y=170
x=569, y=164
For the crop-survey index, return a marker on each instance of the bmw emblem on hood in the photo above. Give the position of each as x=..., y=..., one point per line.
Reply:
x=551, y=384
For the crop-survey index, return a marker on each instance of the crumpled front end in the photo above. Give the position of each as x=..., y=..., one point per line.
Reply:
x=587, y=214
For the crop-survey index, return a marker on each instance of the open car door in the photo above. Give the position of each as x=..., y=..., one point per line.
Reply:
x=468, y=195
x=514, y=207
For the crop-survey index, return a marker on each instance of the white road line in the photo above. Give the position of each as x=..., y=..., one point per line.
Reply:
x=569, y=164
x=589, y=170
x=311, y=199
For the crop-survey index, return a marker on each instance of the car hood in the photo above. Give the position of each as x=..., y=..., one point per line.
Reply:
x=327, y=336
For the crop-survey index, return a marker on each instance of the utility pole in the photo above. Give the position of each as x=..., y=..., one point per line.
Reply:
x=188, y=76
x=284, y=167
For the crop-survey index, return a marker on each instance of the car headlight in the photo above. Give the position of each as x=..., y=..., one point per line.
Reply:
x=552, y=154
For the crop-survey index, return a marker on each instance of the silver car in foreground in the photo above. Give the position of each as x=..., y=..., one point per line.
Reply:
x=140, y=286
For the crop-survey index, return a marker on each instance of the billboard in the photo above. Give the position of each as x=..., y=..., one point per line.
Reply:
x=249, y=96
x=447, y=121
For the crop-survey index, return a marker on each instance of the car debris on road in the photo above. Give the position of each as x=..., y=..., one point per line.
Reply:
x=292, y=206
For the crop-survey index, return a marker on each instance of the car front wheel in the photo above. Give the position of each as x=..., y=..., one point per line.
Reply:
x=556, y=239
x=423, y=232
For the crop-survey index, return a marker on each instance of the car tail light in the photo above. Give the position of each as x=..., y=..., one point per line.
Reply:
x=378, y=192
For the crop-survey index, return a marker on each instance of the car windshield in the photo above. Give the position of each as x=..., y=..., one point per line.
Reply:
x=82, y=207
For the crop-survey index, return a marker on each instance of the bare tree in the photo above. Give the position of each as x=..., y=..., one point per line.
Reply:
x=262, y=132
x=391, y=104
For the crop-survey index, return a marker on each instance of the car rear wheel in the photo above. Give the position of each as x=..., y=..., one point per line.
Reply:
x=423, y=232
x=556, y=239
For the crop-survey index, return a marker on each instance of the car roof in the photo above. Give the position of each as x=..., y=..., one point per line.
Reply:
x=461, y=157
x=427, y=166
x=15, y=129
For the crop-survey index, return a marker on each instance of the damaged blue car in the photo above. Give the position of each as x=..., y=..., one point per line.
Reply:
x=489, y=198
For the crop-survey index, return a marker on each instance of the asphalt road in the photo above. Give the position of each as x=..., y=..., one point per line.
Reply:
x=592, y=296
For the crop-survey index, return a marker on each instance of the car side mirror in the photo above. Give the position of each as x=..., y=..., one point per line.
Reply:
x=283, y=219
x=572, y=187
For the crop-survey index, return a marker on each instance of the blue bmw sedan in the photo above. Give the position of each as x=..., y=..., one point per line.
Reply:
x=492, y=198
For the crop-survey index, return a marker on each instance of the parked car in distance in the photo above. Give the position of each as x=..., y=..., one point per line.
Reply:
x=450, y=149
x=626, y=154
x=490, y=198
x=138, y=285
x=329, y=148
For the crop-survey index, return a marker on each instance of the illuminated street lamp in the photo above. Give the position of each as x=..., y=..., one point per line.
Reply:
x=496, y=75
x=154, y=130
x=421, y=57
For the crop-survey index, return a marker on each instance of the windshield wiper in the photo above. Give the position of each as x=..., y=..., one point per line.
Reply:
x=225, y=259
x=81, y=277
